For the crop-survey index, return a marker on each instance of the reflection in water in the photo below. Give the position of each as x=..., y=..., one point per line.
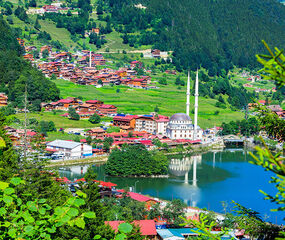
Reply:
x=74, y=171
x=181, y=167
x=202, y=181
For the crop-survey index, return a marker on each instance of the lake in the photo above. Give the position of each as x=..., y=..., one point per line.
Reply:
x=204, y=180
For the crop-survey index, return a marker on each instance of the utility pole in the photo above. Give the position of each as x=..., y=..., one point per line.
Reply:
x=25, y=124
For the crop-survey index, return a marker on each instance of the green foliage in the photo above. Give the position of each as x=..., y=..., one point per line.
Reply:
x=8, y=158
x=203, y=37
x=174, y=212
x=73, y=114
x=15, y=72
x=162, y=81
x=245, y=127
x=274, y=65
x=136, y=160
x=205, y=227
x=95, y=118
x=36, y=219
x=124, y=208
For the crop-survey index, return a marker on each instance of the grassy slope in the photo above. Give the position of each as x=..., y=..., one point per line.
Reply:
x=59, y=121
x=169, y=99
x=60, y=34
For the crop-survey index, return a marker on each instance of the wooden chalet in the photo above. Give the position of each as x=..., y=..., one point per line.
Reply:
x=95, y=103
x=107, y=109
x=125, y=121
x=96, y=133
x=3, y=100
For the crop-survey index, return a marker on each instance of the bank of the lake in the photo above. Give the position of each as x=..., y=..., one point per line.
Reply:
x=220, y=176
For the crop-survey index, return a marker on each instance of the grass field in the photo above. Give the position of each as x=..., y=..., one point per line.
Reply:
x=60, y=34
x=169, y=100
x=59, y=121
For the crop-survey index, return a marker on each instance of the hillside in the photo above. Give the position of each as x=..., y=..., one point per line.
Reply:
x=16, y=73
x=214, y=34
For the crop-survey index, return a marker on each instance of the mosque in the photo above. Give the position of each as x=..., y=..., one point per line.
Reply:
x=180, y=125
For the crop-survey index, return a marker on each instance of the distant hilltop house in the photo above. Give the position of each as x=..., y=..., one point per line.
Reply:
x=93, y=30
x=69, y=149
x=155, y=53
x=51, y=8
x=3, y=100
x=136, y=64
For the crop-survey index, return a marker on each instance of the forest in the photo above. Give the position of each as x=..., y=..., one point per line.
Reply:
x=16, y=74
x=213, y=34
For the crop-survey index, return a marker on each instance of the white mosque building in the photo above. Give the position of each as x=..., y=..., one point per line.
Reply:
x=180, y=125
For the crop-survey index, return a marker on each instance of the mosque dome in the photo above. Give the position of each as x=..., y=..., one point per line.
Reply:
x=179, y=117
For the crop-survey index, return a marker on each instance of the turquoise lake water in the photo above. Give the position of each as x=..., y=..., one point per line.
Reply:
x=204, y=180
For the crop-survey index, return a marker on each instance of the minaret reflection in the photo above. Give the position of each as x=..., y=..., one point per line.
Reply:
x=181, y=167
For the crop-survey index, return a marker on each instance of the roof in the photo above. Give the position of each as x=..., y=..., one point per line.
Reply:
x=93, y=101
x=137, y=196
x=180, y=117
x=63, y=144
x=107, y=106
x=65, y=101
x=147, y=227
x=125, y=118
x=167, y=234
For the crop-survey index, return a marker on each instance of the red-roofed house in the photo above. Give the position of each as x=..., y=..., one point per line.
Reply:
x=136, y=64
x=138, y=82
x=96, y=103
x=107, y=109
x=140, y=198
x=147, y=227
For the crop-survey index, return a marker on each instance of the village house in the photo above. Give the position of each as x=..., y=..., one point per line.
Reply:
x=3, y=100
x=29, y=56
x=127, y=122
x=138, y=82
x=275, y=108
x=96, y=133
x=155, y=53
x=95, y=103
x=50, y=8
x=107, y=109
x=135, y=64
x=21, y=42
x=152, y=124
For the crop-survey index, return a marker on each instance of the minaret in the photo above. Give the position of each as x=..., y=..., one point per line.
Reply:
x=196, y=107
x=90, y=58
x=188, y=95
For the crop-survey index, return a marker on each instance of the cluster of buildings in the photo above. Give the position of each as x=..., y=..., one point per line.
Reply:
x=277, y=109
x=85, y=110
x=81, y=68
x=55, y=7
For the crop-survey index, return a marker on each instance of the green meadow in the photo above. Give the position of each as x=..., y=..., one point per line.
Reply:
x=169, y=99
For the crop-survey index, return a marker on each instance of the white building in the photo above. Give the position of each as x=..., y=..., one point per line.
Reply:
x=180, y=127
x=180, y=124
x=152, y=124
x=70, y=149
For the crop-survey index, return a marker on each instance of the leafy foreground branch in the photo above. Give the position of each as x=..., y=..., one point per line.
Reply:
x=38, y=220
